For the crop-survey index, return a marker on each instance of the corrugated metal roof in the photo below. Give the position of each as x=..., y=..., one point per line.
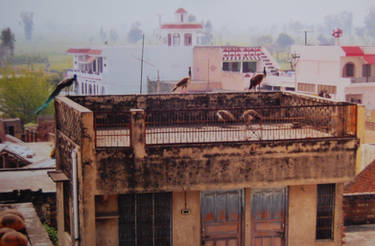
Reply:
x=26, y=180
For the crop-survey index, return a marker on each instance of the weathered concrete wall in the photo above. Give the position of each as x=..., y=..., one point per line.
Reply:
x=106, y=212
x=186, y=228
x=178, y=101
x=75, y=131
x=302, y=216
x=201, y=167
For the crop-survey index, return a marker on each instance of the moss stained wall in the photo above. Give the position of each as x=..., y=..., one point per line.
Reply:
x=200, y=167
x=178, y=101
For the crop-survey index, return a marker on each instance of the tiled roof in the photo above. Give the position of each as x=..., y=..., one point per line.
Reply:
x=364, y=182
x=353, y=50
x=181, y=11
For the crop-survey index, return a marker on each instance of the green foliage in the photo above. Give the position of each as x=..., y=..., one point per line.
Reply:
x=27, y=59
x=21, y=94
x=52, y=233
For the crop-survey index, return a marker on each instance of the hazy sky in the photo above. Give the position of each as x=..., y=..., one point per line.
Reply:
x=238, y=15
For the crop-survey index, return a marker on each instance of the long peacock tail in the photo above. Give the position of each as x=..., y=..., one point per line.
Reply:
x=43, y=106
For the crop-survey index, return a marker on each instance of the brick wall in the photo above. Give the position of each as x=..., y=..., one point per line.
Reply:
x=359, y=209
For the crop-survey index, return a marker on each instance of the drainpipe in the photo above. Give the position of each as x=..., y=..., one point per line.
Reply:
x=75, y=198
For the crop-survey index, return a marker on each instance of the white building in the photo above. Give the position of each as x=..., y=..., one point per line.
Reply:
x=181, y=32
x=345, y=72
x=117, y=69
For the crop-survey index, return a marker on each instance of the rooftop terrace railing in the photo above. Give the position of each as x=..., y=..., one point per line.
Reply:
x=212, y=125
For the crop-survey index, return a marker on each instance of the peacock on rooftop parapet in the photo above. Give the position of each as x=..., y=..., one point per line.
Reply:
x=60, y=86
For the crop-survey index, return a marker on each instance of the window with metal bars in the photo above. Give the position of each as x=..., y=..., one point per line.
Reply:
x=325, y=211
x=145, y=219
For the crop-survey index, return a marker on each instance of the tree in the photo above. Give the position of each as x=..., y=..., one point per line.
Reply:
x=207, y=38
x=370, y=23
x=102, y=34
x=21, y=94
x=27, y=21
x=113, y=35
x=7, y=40
x=284, y=40
x=135, y=33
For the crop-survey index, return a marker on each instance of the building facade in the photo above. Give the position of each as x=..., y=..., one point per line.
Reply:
x=166, y=170
x=118, y=69
x=183, y=32
x=345, y=72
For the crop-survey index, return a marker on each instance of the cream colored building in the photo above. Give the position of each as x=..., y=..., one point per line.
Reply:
x=166, y=170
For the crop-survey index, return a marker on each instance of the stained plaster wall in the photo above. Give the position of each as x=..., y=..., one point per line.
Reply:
x=175, y=102
x=194, y=166
x=75, y=131
x=199, y=167
x=302, y=216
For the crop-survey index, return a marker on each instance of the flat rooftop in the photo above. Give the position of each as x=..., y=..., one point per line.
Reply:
x=199, y=118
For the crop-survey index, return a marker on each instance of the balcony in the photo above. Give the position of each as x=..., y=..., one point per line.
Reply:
x=85, y=75
x=210, y=125
x=363, y=80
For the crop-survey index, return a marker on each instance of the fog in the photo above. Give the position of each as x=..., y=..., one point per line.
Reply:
x=235, y=17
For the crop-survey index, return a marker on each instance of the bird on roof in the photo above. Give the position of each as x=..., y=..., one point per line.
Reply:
x=184, y=82
x=65, y=83
x=250, y=115
x=257, y=78
x=224, y=116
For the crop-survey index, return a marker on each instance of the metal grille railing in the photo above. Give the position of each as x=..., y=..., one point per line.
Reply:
x=112, y=129
x=249, y=124
x=230, y=125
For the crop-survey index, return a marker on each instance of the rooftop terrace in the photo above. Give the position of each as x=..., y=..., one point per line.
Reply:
x=199, y=118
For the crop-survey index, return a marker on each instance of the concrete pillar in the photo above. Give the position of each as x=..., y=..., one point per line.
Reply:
x=361, y=121
x=138, y=133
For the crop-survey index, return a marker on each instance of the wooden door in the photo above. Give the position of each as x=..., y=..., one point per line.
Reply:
x=221, y=218
x=268, y=212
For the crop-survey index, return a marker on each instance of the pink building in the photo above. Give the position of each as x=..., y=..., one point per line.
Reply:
x=232, y=66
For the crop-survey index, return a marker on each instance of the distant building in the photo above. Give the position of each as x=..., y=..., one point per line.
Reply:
x=229, y=68
x=12, y=127
x=182, y=32
x=345, y=72
x=117, y=69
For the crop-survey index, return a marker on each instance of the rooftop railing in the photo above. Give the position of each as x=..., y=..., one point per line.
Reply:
x=209, y=125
